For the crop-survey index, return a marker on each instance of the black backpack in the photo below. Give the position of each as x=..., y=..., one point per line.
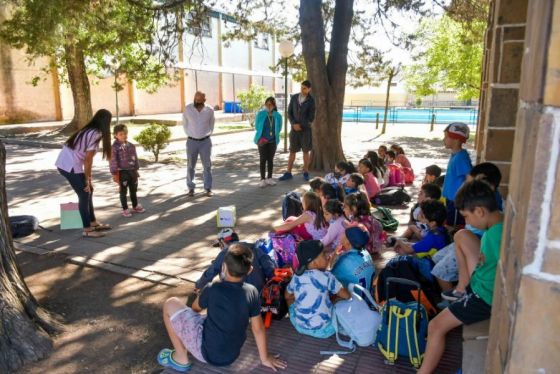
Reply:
x=22, y=226
x=391, y=196
x=291, y=205
x=414, y=269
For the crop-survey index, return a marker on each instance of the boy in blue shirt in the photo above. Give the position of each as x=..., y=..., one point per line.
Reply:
x=458, y=168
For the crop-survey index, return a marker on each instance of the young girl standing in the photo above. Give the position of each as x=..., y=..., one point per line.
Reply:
x=357, y=209
x=310, y=225
x=333, y=211
x=268, y=124
x=370, y=178
x=124, y=168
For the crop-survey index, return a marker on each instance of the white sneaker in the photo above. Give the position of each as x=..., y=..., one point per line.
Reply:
x=271, y=182
x=262, y=183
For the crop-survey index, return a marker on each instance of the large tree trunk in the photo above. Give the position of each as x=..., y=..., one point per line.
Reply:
x=328, y=77
x=24, y=327
x=79, y=84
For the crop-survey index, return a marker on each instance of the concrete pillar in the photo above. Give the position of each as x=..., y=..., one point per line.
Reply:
x=525, y=323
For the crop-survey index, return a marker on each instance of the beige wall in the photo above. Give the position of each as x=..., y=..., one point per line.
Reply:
x=206, y=82
x=166, y=100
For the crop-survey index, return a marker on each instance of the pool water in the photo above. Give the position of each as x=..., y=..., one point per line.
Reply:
x=421, y=115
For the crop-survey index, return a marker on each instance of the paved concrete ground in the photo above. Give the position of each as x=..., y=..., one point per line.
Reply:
x=170, y=243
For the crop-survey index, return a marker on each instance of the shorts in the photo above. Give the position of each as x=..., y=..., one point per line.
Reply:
x=188, y=326
x=301, y=141
x=454, y=218
x=445, y=267
x=470, y=308
x=323, y=333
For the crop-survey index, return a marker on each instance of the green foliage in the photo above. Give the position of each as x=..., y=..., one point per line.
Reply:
x=252, y=100
x=451, y=58
x=154, y=138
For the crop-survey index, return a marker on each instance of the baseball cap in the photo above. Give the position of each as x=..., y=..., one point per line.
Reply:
x=458, y=130
x=357, y=236
x=307, y=251
x=226, y=235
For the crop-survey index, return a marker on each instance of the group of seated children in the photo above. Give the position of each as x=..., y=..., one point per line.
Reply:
x=334, y=224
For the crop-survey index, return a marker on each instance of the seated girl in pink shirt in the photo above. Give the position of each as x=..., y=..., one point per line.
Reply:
x=333, y=210
x=366, y=168
x=358, y=210
x=310, y=225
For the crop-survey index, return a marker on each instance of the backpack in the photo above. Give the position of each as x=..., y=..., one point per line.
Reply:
x=356, y=267
x=403, y=329
x=273, y=301
x=408, y=175
x=396, y=175
x=412, y=269
x=22, y=226
x=385, y=217
x=391, y=196
x=284, y=249
x=291, y=205
x=355, y=319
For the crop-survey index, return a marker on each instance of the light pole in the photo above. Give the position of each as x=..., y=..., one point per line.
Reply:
x=286, y=49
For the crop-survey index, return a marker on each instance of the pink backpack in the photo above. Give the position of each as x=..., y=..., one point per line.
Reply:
x=396, y=175
x=284, y=249
x=408, y=175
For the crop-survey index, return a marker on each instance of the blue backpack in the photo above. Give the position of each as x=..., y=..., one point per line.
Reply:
x=291, y=205
x=404, y=327
x=356, y=267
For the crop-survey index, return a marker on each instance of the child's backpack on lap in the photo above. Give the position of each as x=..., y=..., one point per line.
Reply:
x=385, y=217
x=408, y=175
x=391, y=196
x=355, y=319
x=396, y=175
x=273, y=301
x=284, y=249
x=291, y=205
x=404, y=327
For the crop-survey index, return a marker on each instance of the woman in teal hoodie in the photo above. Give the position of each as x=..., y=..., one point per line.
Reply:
x=268, y=124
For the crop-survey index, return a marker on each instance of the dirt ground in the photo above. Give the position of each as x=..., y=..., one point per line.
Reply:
x=116, y=333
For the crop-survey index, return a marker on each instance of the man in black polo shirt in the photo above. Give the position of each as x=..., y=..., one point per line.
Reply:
x=301, y=113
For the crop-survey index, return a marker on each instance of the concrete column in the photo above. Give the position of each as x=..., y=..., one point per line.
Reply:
x=525, y=323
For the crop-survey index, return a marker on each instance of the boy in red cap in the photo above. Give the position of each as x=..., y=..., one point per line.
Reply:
x=459, y=166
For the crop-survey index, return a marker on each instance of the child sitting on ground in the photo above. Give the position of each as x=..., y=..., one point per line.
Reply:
x=379, y=165
x=433, y=172
x=342, y=171
x=395, y=171
x=433, y=214
x=263, y=266
x=124, y=168
x=358, y=210
x=333, y=211
x=382, y=153
x=329, y=191
x=416, y=229
x=459, y=166
x=308, y=293
x=315, y=184
x=368, y=171
x=477, y=203
x=311, y=224
x=354, y=183
x=354, y=264
x=217, y=338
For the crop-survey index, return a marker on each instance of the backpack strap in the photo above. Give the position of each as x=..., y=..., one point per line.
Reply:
x=346, y=344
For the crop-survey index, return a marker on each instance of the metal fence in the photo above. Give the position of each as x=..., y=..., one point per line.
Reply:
x=396, y=114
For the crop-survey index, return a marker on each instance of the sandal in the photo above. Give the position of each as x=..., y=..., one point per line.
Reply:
x=165, y=359
x=92, y=234
x=101, y=227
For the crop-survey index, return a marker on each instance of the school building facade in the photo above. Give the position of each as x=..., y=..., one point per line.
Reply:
x=208, y=64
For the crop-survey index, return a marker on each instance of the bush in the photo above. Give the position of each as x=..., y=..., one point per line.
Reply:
x=253, y=100
x=154, y=138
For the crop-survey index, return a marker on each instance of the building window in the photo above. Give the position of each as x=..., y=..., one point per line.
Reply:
x=261, y=41
x=203, y=29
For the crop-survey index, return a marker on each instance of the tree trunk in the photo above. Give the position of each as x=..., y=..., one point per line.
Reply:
x=328, y=77
x=25, y=325
x=79, y=83
x=389, y=81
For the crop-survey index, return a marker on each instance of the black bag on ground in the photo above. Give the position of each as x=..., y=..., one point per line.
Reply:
x=291, y=205
x=391, y=196
x=22, y=226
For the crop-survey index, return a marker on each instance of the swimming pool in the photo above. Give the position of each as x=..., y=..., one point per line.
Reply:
x=415, y=115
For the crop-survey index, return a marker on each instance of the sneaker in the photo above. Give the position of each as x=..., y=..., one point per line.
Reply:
x=306, y=176
x=126, y=213
x=138, y=209
x=191, y=193
x=262, y=183
x=452, y=295
x=286, y=176
x=270, y=182
x=443, y=304
x=209, y=193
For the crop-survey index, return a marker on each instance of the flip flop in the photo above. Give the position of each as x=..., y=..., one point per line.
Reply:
x=92, y=234
x=102, y=227
x=165, y=359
